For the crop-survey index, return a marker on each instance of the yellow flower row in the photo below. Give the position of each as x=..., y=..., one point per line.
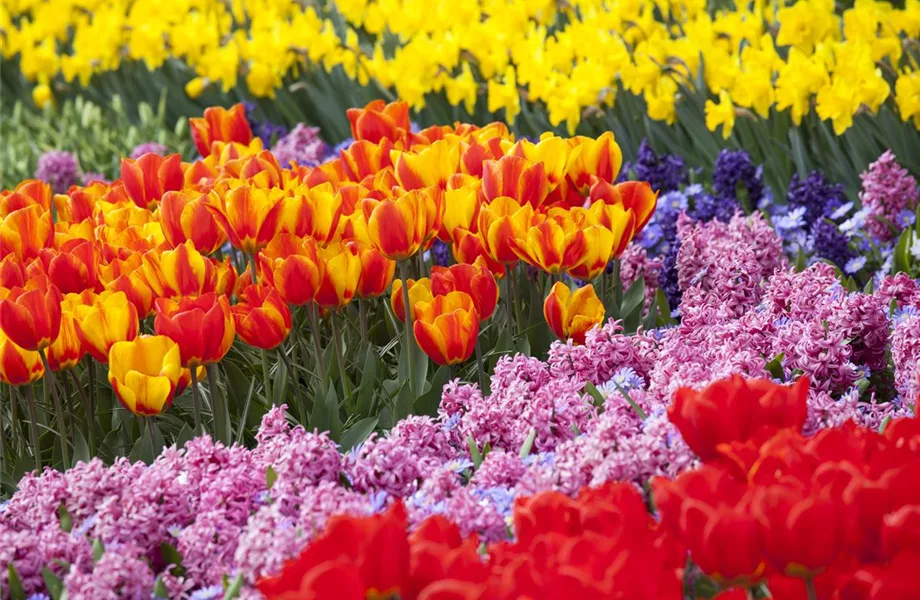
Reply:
x=570, y=55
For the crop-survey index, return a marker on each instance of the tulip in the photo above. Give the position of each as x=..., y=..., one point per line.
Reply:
x=398, y=227
x=475, y=280
x=467, y=247
x=17, y=365
x=150, y=176
x=461, y=210
x=31, y=316
x=185, y=272
x=12, y=272
x=501, y=221
x=340, y=274
x=447, y=327
x=250, y=216
x=572, y=315
x=600, y=158
x=31, y=192
x=364, y=158
x=262, y=318
x=292, y=266
x=184, y=216
x=25, y=231
x=598, y=250
x=110, y=319
x=220, y=125
x=419, y=291
x=636, y=197
x=378, y=121
x=67, y=350
x=72, y=268
x=136, y=289
x=202, y=327
x=315, y=213
x=430, y=166
x=376, y=270
x=144, y=373
x=553, y=245
x=515, y=177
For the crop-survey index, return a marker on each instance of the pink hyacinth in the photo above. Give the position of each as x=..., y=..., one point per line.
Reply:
x=888, y=190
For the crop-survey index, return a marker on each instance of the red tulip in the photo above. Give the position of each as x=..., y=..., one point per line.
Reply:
x=202, y=327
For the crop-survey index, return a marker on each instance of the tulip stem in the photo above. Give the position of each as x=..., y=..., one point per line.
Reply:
x=515, y=304
x=36, y=449
x=810, y=588
x=76, y=384
x=222, y=428
x=48, y=386
x=3, y=431
x=14, y=422
x=337, y=342
x=479, y=368
x=91, y=407
x=407, y=309
x=196, y=401
x=266, y=372
x=293, y=375
x=509, y=312
x=153, y=443
x=362, y=319
x=317, y=346
x=617, y=288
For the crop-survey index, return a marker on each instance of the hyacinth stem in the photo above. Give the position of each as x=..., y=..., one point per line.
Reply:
x=479, y=367
x=58, y=409
x=221, y=416
x=317, y=345
x=407, y=309
x=196, y=401
x=33, y=420
x=91, y=407
x=362, y=319
x=266, y=372
x=337, y=342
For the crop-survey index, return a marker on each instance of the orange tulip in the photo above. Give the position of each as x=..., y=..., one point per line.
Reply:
x=110, y=319
x=150, y=176
x=291, y=265
x=185, y=272
x=500, y=221
x=376, y=270
x=515, y=177
x=419, y=291
x=572, y=315
x=145, y=373
x=17, y=365
x=127, y=276
x=220, y=125
x=260, y=170
x=554, y=245
x=184, y=216
x=340, y=274
x=428, y=166
x=461, y=209
x=79, y=204
x=262, y=318
x=601, y=158
x=447, y=327
x=378, y=121
x=249, y=216
x=315, y=213
x=635, y=196
x=398, y=227
x=475, y=280
x=600, y=245
x=12, y=272
x=31, y=316
x=620, y=220
x=25, y=231
x=364, y=158
x=67, y=350
x=202, y=327
x=467, y=247
x=30, y=192
x=72, y=268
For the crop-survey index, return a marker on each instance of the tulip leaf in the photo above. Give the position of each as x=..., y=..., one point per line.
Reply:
x=404, y=403
x=184, y=436
x=81, y=448
x=98, y=550
x=419, y=367
x=14, y=584
x=357, y=433
x=280, y=383
x=367, y=387
x=53, y=583
x=64, y=518
x=171, y=556
x=332, y=410
x=237, y=384
x=233, y=587
x=634, y=297
x=427, y=403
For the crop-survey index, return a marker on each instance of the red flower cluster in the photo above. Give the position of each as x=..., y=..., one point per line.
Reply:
x=603, y=544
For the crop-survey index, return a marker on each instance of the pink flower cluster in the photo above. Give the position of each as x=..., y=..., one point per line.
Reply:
x=888, y=191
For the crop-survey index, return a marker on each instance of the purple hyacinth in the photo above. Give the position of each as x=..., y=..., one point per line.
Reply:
x=149, y=148
x=264, y=129
x=820, y=198
x=302, y=145
x=830, y=243
x=733, y=171
x=668, y=276
x=664, y=172
x=440, y=253
x=59, y=169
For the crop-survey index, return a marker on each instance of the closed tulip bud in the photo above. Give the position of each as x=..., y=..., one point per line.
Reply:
x=364, y=158
x=25, y=231
x=340, y=274
x=376, y=270
x=571, y=315
x=291, y=265
x=17, y=365
x=446, y=328
x=31, y=316
x=262, y=318
x=501, y=221
x=432, y=165
x=419, y=291
x=467, y=247
x=144, y=373
x=378, y=121
x=150, y=176
x=110, y=319
x=250, y=216
x=72, y=268
x=220, y=125
x=553, y=245
x=315, y=213
x=599, y=247
x=185, y=272
x=515, y=177
x=67, y=350
x=636, y=197
x=202, y=327
x=184, y=216
x=399, y=226
x=475, y=280
x=600, y=158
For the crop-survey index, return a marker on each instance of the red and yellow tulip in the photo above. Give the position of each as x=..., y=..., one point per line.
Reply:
x=17, y=365
x=475, y=280
x=184, y=216
x=571, y=315
x=262, y=318
x=150, y=176
x=31, y=316
x=248, y=215
x=446, y=327
x=399, y=226
x=220, y=125
x=202, y=327
x=145, y=373
x=378, y=121
x=419, y=291
x=110, y=319
x=292, y=266
x=340, y=274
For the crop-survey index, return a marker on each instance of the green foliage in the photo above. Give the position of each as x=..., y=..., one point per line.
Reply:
x=100, y=136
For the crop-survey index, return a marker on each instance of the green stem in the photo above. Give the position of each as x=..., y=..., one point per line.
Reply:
x=89, y=417
x=196, y=401
x=14, y=421
x=617, y=287
x=317, y=345
x=47, y=387
x=339, y=355
x=509, y=313
x=407, y=309
x=153, y=442
x=479, y=368
x=362, y=318
x=515, y=301
x=33, y=419
x=91, y=407
x=810, y=588
x=301, y=409
x=3, y=432
x=219, y=407
x=266, y=372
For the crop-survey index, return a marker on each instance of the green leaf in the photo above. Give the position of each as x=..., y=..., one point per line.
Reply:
x=185, y=435
x=357, y=433
x=595, y=394
x=901, y=254
x=419, y=367
x=64, y=518
x=279, y=384
x=428, y=403
x=271, y=476
x=367, y=387
x=15, y=584
x=98, y=550
x=171, y=556
x=160, y=590
x=404, y=402
x=528, y=443
x=775, y=366
x=233, y=588
x=81, y=448
x=475, y=454
x=634, y=297
x=53, y=583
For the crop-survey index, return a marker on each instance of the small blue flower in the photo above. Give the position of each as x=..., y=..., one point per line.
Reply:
x=208, y=593
x=854, y=265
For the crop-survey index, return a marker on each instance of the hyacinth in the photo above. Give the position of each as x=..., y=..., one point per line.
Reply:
x=905, y=354
x=59, y=169
x=267, y=131
x=888, y=191
x=818, y=197
x=733, y=172
x=664, y=172
x=830, y=243
x=440, y=254
x=302, y=146
x=149, y=148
